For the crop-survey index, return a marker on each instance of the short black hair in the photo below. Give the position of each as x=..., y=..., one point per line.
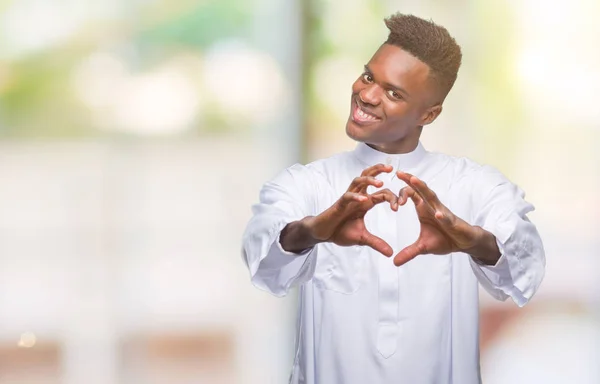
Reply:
x=428, y=42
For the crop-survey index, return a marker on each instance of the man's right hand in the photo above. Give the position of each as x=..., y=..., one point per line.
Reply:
x=343, y=223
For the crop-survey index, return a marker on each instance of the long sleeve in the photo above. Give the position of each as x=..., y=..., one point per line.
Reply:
x=502, y=211
x=289, y=197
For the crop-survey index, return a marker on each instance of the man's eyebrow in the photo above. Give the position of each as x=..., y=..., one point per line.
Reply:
x=389, y=85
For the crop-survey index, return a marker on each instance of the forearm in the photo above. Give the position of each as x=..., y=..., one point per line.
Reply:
x=297, y=236
x=486, y=250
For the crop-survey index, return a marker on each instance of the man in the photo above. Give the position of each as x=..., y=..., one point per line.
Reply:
x=451, y=223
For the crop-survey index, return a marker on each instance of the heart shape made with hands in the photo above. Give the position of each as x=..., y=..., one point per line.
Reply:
x=441, y=231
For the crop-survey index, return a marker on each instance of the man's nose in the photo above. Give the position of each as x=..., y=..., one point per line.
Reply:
x=370, y=95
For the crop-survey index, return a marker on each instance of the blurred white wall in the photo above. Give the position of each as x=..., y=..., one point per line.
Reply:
x=105, y=242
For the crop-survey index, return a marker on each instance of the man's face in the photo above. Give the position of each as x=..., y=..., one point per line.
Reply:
x=392, y=100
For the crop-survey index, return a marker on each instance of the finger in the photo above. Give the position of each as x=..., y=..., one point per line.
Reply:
x=409, y=253
x=408, y=193
x=385, y=195
x=428, y=195
x=377, y=169
x=404, y=176
x=412, y=192
x=349, y=197
x=360, y=184
x=377, y=243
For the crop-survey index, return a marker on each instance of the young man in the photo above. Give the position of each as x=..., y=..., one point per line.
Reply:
x=365, y=316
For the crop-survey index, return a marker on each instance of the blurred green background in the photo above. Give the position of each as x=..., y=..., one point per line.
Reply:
x=135, y=135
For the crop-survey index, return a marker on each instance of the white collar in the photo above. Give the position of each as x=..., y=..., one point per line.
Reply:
x=371, y=156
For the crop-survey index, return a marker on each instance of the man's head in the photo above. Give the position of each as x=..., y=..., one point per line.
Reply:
x=404, y=84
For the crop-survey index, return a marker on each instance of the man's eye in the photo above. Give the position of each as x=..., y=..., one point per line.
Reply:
x=394, y=94
x=367, y=77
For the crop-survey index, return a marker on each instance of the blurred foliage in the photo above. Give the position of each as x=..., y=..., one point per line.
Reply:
x=36, y=93
x=199, y=26
x=37, y=101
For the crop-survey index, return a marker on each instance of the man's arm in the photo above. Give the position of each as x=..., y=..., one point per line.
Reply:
x=285, y=199
x=297, y=236
x=485, y=251
x=501, y=209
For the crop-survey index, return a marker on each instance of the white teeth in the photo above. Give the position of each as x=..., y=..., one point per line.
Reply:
x=365, y=115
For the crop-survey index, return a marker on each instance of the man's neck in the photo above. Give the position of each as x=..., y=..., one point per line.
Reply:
x=395, y=148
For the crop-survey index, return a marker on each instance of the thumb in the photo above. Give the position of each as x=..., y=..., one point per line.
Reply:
x=409, y=253
x=377, y=243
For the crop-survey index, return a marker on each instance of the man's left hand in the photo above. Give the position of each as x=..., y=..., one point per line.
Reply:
x=442, y=232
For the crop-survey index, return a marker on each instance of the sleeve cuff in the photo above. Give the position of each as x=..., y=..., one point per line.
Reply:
x=280, y=269
x=277, y=257
x=506, y=278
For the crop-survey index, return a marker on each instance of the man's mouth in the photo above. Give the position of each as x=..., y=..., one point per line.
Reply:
x=361, y=116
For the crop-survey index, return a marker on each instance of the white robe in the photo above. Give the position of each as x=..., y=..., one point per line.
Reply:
x=360, y=318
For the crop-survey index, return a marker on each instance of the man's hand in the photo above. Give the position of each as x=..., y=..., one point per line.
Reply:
x=343, y=223
x=442, y=232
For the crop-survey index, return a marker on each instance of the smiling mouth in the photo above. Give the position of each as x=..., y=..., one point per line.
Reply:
x=361, y=117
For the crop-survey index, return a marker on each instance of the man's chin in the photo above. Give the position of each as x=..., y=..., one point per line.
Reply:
x=355, y=132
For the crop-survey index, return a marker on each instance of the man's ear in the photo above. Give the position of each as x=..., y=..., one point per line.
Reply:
x=431, y=114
